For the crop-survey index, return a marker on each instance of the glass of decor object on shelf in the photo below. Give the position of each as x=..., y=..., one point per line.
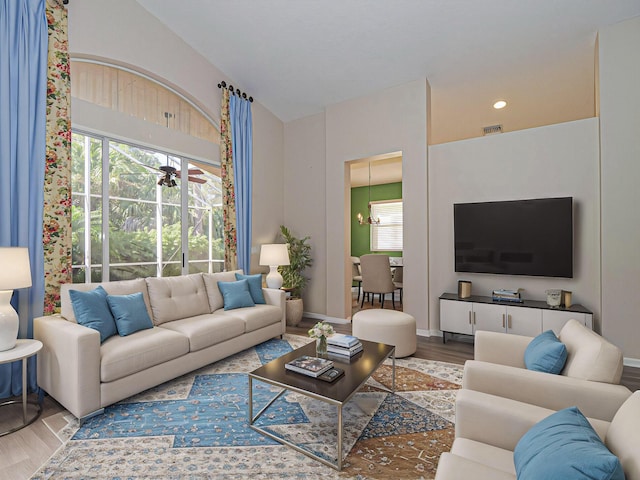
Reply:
x=320, y=332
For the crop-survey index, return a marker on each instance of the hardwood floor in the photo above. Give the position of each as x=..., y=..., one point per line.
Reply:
x=24, y=451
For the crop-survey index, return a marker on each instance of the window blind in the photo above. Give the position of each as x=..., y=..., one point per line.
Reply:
x=387, y=236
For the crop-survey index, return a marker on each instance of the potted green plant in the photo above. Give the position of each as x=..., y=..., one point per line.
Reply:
x=293, y=279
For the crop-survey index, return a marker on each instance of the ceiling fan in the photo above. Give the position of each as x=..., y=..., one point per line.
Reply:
x=171, y=173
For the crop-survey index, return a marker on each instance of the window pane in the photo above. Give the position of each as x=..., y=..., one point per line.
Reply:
x=78, y=275
x=96, y=230
x=133, y=172
x=77, y=163
x=387, y=236
x=171, y=235
x=77, y=229
x=130, y=272
x=132, y=232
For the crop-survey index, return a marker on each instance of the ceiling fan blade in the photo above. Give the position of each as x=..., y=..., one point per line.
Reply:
x=151, y=168
x=197, y=180
x=192, y=171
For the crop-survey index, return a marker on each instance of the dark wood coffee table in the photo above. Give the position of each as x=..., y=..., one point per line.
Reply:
x=338, y=393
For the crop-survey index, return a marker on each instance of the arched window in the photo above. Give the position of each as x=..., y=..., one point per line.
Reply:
x=141, y=209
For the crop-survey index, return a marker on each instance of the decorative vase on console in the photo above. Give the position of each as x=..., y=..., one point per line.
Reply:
x=320, y=332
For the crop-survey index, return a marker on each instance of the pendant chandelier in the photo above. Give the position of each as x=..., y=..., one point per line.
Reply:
x=370, y=220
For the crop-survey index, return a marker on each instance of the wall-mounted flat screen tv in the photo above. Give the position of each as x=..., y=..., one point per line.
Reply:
x=519, y=237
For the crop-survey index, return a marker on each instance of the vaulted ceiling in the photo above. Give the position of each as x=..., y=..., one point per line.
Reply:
x=296, y=57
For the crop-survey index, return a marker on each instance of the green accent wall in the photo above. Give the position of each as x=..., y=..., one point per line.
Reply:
x=360, y=240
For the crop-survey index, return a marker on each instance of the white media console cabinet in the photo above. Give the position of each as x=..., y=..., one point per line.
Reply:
x=468, y=315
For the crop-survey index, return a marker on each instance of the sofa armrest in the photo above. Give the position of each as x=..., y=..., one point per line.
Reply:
x=275, y=296
x=555, y=392
x=500, y=348
x=69, y=363
x=501, y=422
x=454, y=467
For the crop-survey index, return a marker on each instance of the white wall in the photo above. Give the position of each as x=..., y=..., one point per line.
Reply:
x=124, y=33
x=393, y=120
x=553, y=161
x=620, y=171
x=304, y=200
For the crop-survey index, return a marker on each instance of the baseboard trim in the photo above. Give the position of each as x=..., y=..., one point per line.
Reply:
x=631, y=362
x=325, y=318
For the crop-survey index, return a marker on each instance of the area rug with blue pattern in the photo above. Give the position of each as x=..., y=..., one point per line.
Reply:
x=196, y=427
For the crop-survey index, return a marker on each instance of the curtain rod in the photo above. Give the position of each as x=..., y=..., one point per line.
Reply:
x=237, y=92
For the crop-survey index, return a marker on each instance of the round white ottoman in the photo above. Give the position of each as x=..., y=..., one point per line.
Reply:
x=386, y=326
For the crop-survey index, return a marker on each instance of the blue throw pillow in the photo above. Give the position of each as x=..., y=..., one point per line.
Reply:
x=545, y=353
x=130, y=313
x=255, y=286
x=564, y=445
x=236, y=294
x=92, y=310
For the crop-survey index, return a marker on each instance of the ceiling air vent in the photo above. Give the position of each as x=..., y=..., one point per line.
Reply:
x=492, y=129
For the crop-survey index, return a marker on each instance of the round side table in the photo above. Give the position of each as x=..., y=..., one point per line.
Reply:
x=24, y=349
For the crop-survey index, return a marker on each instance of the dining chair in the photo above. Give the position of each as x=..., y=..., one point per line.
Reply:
x=356, y=275
x=398, y=273
x=376, y=278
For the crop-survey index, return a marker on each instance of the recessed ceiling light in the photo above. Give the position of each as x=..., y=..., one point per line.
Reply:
x=499, y=104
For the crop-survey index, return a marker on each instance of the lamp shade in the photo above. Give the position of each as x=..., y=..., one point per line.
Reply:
x=15, y=269
x=274, y=254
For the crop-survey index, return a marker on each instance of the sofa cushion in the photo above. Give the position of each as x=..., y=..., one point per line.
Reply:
x=236, y=294
x=211, y=280
x=129, y=312
x=545, y=353
x=92, y=310
x=489, y=455
x=206, y=330
x=123, y=356
x=455, y=467
x=564, y=445
x=255, y=286
x=173, y=298
x=120, y=287
x=256, y=317
x=590, y=356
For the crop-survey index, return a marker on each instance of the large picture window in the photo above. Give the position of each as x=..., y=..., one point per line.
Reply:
x=125, y=225
x=387, y=235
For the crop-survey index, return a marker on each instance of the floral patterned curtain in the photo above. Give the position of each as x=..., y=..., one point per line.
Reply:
x=56, y=235
x=228, y=190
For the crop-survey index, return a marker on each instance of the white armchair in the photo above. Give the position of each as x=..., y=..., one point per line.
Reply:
x=488, y=429
x=589, y=380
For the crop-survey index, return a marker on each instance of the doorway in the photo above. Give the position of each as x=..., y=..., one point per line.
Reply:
x=376, y=223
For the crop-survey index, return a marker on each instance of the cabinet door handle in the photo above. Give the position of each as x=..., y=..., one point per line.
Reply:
x=509, y=321
x=503, y=325
x=474, y=318
x=469, y=317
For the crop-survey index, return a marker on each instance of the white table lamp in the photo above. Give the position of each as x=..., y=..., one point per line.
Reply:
x=15, y=272
x=274, y=255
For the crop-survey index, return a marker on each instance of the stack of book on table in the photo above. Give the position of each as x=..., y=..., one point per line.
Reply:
x=503, y=295
x=342, y=345
x=311, y=366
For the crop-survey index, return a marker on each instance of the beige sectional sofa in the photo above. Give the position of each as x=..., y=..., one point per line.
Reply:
x=191, y=329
